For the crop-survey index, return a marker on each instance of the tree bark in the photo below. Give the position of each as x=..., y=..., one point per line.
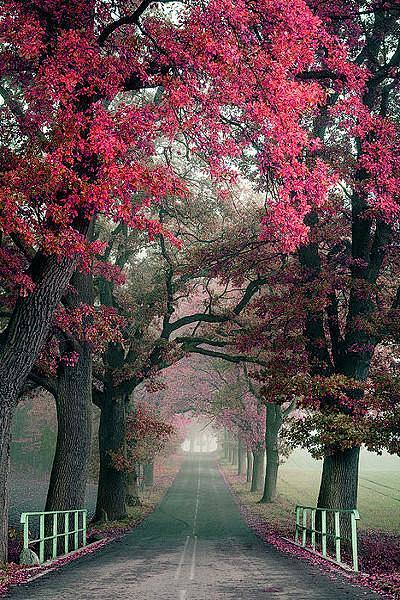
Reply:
x=271, y=477
x=339, y=489
x=241, y=457
x=74, y=416
x=22, y=341
x=226, y=444
x=273, y=424
x=6, y=415
x=230, y=446
x=111, y=493
x=71, y=460
x=258, y=471
x=249, y=469
x=339, y=480
x=148, y=474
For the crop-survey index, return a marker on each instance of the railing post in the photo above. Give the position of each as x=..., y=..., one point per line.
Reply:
x=25, y=523
x=76, y=527
x=84, y=516
x=337, y=536
x=55, y=532
x=297, y=532
x=354, y=545
x=66, y=532
x=304, y=537
x=313, y=528
x=323, y=532
x=41, y=537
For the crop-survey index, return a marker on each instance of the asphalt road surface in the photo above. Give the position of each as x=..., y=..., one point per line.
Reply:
x=195, y=546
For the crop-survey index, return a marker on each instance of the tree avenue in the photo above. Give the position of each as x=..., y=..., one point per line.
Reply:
x=336, y=287
x=209, y=185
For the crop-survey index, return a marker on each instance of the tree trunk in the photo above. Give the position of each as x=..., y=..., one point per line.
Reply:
x=338, y=489
x=22, y=341
x=226, y=444
x=234, y=451
x=249, y=469
x=111, y=493
x=230, y=442
x=132, y=498
x=148, y=474
x=258, y=471
x=271, y=476
x=339, y=481
x=241, y=457
x=6, y=415
x=74, y=416
x=71, y=460
x=273, y=416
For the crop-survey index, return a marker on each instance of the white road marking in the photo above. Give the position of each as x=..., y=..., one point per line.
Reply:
x=193, y=565
x=179, y=568
x=183, y=593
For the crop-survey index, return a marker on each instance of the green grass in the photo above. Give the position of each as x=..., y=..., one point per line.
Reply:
x=298, y=483
x=378, y=495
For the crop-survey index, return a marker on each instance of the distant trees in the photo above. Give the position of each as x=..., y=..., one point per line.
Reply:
x=146, y=435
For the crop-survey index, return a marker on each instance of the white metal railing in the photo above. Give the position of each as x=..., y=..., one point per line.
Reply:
x=331, y=526
x=53, y=527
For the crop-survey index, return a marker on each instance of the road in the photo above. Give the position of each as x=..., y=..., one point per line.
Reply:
x=194, y=546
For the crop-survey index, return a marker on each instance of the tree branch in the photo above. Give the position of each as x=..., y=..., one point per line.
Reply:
x=252, y=288
x=169, y=287
x=131, y=19
x=234, y=358
x=200, y=340
x=11, y=102
x=41, y=380
x=190, y=344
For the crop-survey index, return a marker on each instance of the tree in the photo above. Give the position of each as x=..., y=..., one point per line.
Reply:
x=267, y=333
x=350, y=250
x=58, y=171
x=369, y=187
x=146, y=436
x=74, y=149
x=205, y=387
x=82, y=330
x=167, y=292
